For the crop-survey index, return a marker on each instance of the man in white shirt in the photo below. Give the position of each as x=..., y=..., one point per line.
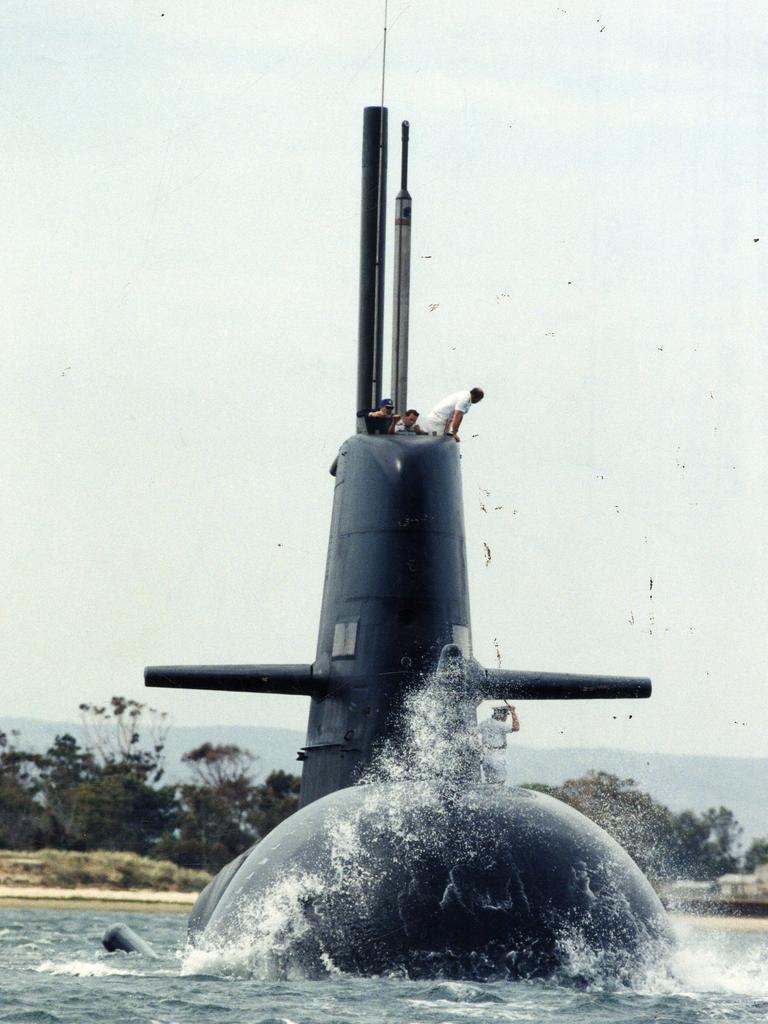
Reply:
x=493, y=733
x=447, y=415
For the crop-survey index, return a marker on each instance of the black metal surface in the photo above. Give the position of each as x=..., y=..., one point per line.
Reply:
x=122, y=938
x=206, y=902
x=485, y=883
x=372, y=235
x=501, y=684
x=288, y=679
x=397, y=569
x=404, y=156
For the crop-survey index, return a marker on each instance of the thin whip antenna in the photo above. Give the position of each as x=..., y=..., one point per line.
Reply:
x=379, y=284
x=384, y=53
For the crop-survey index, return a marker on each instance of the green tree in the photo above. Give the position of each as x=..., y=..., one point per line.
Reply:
x=22, y=817
x=277, y=798
x=724, y=838
x=756, y=855
x=217, y=817
x=640, y=824
x=224, y=812
x=664, y=844
x=704, y=846
x=106, y=795
x=120, y=812
x=63, y=769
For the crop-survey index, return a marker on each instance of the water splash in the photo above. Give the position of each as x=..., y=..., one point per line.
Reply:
x=723, y=960
x=437, y=752
x=86, y=969
x=437, y=741
x=269, y=935
x=424, y=872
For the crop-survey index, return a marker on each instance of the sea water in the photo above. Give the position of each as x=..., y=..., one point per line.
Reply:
x=54, y=970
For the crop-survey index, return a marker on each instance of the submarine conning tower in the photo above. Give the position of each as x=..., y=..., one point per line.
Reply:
x=395, y=603
x=395, y=595
x=396, y=578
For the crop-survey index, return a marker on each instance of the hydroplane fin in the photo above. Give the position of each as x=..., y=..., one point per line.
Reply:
x=501, y=684
x=287, y=679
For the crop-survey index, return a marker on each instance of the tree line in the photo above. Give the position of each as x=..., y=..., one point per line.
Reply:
x=666, y=845
x=108, y=793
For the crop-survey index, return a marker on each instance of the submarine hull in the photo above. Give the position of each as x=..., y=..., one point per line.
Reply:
x=482, y=883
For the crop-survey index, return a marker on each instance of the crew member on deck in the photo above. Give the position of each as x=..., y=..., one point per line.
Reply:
x=406, y=424
x=379, y=420
x=493, y=733
x=447, y=415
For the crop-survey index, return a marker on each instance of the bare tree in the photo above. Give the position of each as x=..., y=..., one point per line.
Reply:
x=114, y=734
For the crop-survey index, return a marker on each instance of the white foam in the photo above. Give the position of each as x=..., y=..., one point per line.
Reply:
x=700, y=963
x=722, y=962
x=437, y=739
x=266, y=931
x=84, y=969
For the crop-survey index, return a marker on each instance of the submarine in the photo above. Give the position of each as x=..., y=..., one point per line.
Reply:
x=400, y=857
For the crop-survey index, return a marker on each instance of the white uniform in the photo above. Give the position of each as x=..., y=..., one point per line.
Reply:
x=439, y=419
x=494, y=732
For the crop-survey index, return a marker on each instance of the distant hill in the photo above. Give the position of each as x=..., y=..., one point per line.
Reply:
x=681, y=782
x=275, y=748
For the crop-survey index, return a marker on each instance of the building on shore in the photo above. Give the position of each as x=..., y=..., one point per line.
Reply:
x=745, y=887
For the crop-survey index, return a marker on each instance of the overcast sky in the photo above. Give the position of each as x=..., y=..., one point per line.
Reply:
x=180, y=272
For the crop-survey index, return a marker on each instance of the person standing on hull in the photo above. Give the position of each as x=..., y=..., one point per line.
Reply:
x=493, y=733
x=447, y=415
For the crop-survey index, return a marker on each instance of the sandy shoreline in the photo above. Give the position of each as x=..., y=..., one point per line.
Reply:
x=148, y=901
x=94, y=898
x=723, y=922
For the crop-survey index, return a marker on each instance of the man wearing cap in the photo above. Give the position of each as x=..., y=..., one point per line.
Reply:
x=493, y=733
x=378, y=421
x=447, y=415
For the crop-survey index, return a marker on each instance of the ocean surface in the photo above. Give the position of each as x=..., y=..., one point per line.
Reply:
x=54, y=970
